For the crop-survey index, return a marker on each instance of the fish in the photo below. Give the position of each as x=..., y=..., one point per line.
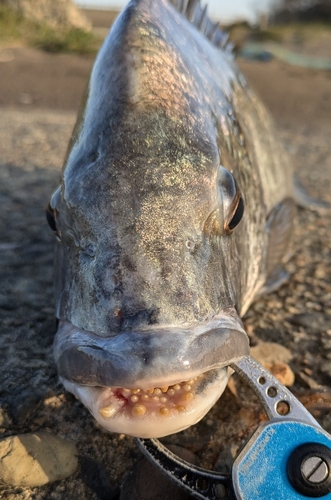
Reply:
x=174, y=212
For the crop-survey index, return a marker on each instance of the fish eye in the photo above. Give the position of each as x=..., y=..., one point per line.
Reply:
x=237, y=216
x=51, y=219
x=231, y=200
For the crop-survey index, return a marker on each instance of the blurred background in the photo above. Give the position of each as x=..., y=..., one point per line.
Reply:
x=59, y=39
x=226, y=11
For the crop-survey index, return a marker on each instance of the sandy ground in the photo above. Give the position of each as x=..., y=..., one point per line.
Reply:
x=39, y=96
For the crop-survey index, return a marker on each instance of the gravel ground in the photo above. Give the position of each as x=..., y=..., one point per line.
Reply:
x=32, y=145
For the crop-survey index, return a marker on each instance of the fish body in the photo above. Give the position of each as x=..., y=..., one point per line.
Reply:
x=174, y=212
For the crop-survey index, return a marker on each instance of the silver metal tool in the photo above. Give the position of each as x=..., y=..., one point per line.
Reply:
x=287, y=458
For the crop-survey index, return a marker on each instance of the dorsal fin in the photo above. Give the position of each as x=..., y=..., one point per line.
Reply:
x=197, y=15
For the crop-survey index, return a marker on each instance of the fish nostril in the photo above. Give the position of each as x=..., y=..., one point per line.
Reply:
x=118, y=313
x=190, y=245
x=127, y=320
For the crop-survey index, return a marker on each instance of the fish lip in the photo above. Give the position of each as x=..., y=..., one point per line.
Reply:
x=148, y=358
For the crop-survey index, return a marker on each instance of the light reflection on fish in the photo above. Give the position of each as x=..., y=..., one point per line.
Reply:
x=174, y=211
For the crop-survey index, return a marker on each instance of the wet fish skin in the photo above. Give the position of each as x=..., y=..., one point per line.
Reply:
x=170, y=141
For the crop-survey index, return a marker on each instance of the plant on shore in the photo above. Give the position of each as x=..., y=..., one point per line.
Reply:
x=14, y=27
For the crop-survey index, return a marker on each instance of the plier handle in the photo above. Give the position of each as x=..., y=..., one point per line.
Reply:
x=287, y=458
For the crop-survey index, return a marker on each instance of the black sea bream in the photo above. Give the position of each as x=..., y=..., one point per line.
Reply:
x=174, y=212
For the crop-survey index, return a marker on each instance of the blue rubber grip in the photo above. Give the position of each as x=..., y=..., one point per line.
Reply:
x=260, y=470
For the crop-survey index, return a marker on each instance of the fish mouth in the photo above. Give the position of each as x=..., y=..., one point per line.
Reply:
x=154, y=382
x=155, y=412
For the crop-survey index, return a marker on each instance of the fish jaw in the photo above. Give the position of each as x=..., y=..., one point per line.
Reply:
x=150, y=383
x=153, y=413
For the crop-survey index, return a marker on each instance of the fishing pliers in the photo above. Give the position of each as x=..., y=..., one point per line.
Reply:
x=287, y=457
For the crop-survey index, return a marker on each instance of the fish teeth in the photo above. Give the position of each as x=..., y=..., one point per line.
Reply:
x=109, y=411
x=138, y=410
x=181, y=409
x=188, y=396
x=164, y=399
x=167, y=399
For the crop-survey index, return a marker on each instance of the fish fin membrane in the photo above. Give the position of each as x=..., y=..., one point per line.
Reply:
x=279, y=228
x=275, y=281
x=198, y=16
x=304, y=200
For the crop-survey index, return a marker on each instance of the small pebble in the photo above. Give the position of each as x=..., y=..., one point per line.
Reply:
x=282, y=372
x=36, y=459
x=270, y=352
x=326, y=368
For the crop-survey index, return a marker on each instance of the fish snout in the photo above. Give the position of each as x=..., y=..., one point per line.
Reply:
x=150, y=383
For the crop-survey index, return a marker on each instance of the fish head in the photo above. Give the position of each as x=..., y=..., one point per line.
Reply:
x=146, y=262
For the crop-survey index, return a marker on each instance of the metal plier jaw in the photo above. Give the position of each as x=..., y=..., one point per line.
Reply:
x=287, y=458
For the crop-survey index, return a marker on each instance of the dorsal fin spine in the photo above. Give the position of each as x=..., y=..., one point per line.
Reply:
x=220, y=38
x=183, y=7
x=191, y=10
x=204, y=20
x=212, y=28
x=198, y=16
